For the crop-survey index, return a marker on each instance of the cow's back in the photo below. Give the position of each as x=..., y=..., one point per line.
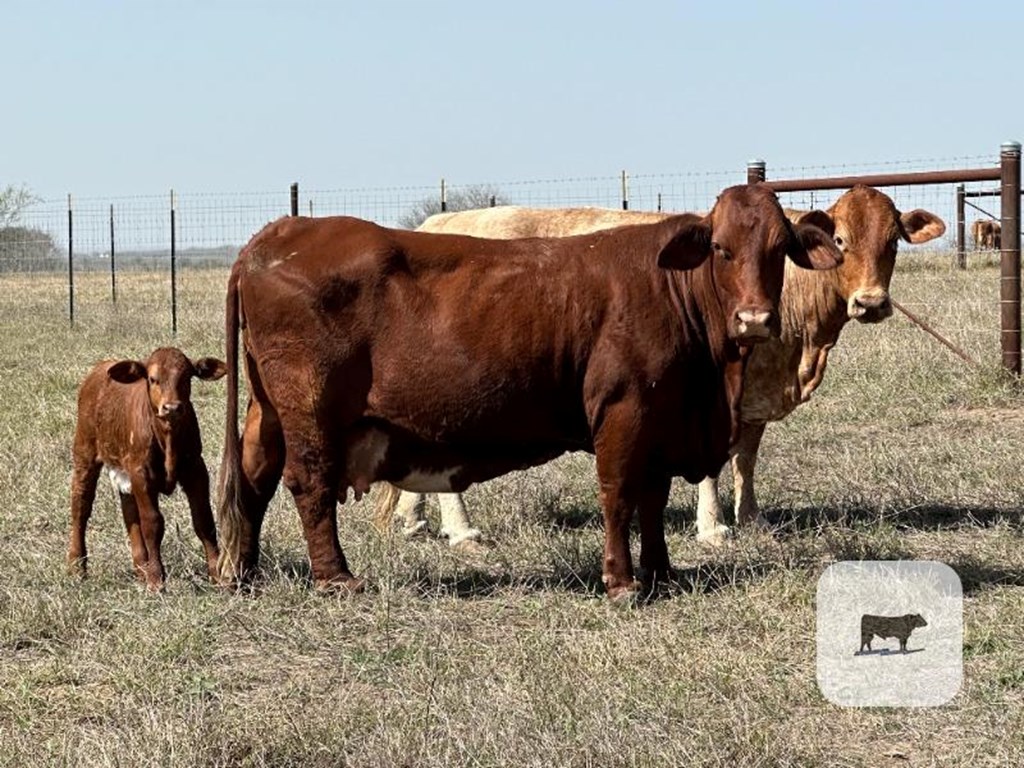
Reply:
x=512, y=221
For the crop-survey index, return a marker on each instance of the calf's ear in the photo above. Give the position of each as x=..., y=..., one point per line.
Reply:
x=209, y=368
x=810, y=243
x=920, y=226
x=127, y=371
x=689, y=247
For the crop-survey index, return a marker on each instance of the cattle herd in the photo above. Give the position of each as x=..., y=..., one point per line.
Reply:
x=486, y=342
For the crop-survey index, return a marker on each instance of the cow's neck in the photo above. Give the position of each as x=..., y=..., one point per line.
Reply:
x=813, y=315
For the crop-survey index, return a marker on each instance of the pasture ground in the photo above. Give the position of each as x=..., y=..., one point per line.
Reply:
x=515, y=657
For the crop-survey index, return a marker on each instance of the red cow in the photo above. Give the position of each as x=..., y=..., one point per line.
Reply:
x=436, y=361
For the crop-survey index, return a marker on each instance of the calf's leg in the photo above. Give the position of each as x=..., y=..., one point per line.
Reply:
x=83, y=494
x=151, y=523
x=195, y=482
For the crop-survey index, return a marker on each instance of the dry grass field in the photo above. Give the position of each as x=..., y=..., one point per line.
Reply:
x=515, y=657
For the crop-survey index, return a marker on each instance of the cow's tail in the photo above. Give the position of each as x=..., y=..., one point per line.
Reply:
x=229, y=510
x=387, y=501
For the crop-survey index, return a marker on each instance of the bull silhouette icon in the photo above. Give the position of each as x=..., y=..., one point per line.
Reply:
x=885, y=627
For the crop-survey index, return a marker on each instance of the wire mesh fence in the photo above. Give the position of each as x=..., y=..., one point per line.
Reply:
x=88, y=258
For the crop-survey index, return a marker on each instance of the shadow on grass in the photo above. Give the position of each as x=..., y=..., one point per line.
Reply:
x=923, y=517
x=888, y=652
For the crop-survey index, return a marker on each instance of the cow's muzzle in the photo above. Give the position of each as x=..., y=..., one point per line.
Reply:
x=169, y=410
x=869, y=306
x=753, y=326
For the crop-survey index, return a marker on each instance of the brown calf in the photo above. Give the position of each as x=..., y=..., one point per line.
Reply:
x=137, y=420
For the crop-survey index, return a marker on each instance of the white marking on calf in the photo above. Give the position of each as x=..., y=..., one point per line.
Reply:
x=120, y=480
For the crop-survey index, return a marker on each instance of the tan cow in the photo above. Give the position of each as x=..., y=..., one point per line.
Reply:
x=781, y=374
x=136, y=419
x=987, y=235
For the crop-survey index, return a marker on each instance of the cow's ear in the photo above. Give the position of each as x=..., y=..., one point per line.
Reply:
x=810, y=242
x=127, y=371
x=689, y=247
x=920, y=226
x=209, y=368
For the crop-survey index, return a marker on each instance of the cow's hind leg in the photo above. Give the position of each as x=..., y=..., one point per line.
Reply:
x=311, y=474
x=411, y=510
x=83, y=494
x=455, y=523
x=195, y=482
x=262, y=465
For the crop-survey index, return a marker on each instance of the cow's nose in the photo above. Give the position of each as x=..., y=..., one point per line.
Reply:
x=169, y=409
x=754, y=325
x=870, y=307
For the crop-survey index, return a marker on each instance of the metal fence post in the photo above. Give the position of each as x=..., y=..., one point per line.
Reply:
x=71, y=271
x=444, y=197
x=625, y=192
x=961, y=229
x=295, y=198
x=1009, y=290
x=174, y=277
x=113, y=271
x=755, y=171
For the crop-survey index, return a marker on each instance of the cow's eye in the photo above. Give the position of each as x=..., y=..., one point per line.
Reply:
x=153, y=381
x=716, y=247
x=839, y=241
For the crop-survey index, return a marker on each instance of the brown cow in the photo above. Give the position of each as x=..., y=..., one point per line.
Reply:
x=781, y=374
x=136, y=419
x=437, y=361
x=987, y=235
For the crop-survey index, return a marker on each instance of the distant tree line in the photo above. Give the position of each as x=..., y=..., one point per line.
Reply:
x=23, y=249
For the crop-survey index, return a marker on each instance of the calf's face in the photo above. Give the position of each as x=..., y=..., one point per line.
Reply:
x=168, y=374
x=747, y=237
x=868, y=228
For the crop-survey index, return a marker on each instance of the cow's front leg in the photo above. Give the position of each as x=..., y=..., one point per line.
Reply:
x=619, y=474
x=313, y=482
x=654, y=560
x=195, y=482
x=743, y=462
x=711, y=527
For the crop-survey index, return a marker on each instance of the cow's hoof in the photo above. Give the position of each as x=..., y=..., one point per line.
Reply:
x=340, y=585
x=473, y=547
x=77, y=568
x=416, y=530
x=626, y=595
x=716, y=537
x=156, y=587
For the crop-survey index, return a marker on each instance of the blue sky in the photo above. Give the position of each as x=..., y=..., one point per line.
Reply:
x=117, y=98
